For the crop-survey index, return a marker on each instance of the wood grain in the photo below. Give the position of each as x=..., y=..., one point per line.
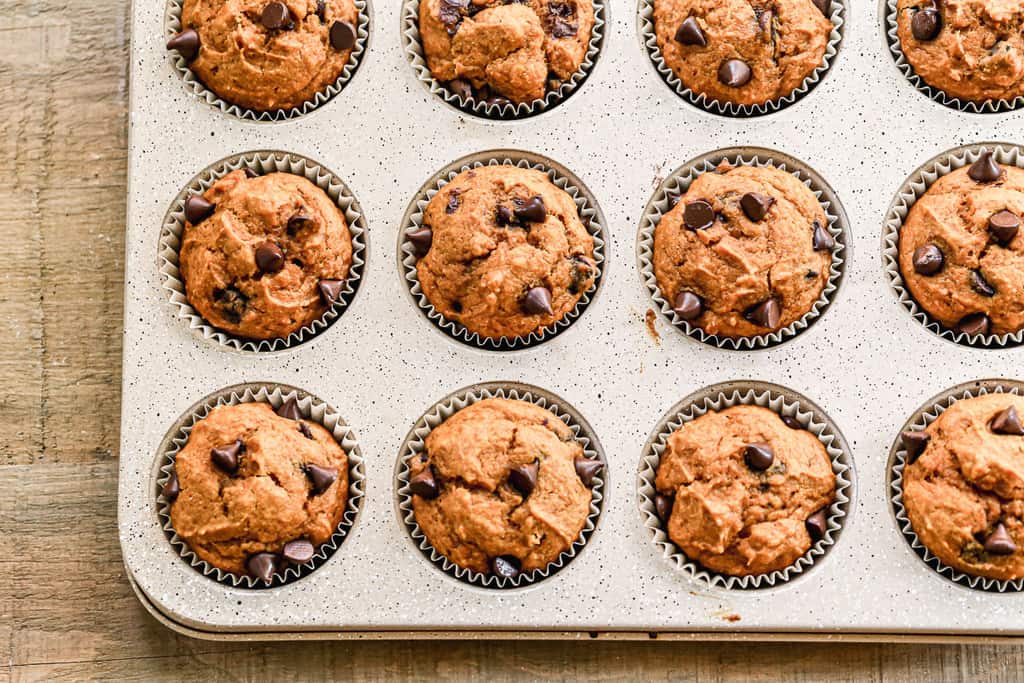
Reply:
x=66, y=610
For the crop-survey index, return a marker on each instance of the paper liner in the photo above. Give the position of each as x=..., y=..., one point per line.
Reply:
x=414, y=444
x=678, y=182
x=921, y=418
x=590, y=215
x=413, y=49
x=262, y=162
x=312, y=409
x=968, y=106
x=172, y=21
x=911, y=190
x=645, y=19
x=782, y=401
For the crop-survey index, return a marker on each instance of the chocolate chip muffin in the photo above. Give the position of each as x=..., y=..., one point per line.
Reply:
x=963, y=488
x=744, y=252
x=959, y=252
x=263, y=256
x=969, y=49
x=253, y=490
x=505, y=50
x=501, y=487
x=742, y=493
x=739, y=51
x=502, y=251
x=265, y=54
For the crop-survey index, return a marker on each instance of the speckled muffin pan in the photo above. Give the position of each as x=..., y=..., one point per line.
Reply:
x=621, y=365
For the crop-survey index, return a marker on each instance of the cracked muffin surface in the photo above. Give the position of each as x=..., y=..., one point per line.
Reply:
x=744, y=252
x=498, y=48
x=742, y=51
x=269, y=500
x=478, y=511
x=267, y=58
x=508, y=254
x=964, y=493
x=736, y=515
x=257, y=264
x=969, y=49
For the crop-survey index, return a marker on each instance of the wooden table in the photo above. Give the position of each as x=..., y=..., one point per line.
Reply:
x=66, y=609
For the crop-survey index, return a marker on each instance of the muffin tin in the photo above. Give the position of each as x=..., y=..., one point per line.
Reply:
x=867, y=364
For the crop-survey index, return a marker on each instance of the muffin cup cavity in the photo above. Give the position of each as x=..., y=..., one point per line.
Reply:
x=921, y=418
x=312, y=409
x=589, y=212
x=912, y=189
x=414, y=445
x=782, y=401
x=645, y=21
x=412, y=46
x=676, y=185
x=173, y=231
x=172, y=22
x=892, y=41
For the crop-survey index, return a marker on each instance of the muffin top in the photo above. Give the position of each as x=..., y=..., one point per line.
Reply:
x=251, y=482
x=959, y=252
x=744, y=252
x=498, y=488
x=494, y=49
x=263, y=256
x=964, y=492
x=268, y=54
x=969, y=49
x=739, y=51
x=506, y=255
x=742, y=492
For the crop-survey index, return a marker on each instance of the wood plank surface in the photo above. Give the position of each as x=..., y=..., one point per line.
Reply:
x=66, y=609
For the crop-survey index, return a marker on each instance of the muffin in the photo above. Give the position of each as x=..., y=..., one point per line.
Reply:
x=959, y=253
x=969, y=49
x=742, y=493
x=503, y=252
x=963, y=486
x=744, y=252
x=253, y=489
x=742, y=52
x=263, y=256
x=501, y=487
x=502, y=51
x=265, y=54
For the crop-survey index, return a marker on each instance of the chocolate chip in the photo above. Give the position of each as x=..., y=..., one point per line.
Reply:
x=914, y=444
x=560, y=28
x=330, y=290
x=766, y=314
x=305, y=430
x=822, y=240
x=232, y=303
x=262, y=566
x=663, y=507
x=974, y=324
x=299, y=551
x=690, y=33
x=450, y=14
x=321, y=10
x=171, y=487
x=299, y=221
x=999, y=541
x=791, y=422
x=186, y=43
x=816, y=525
x=758, y=456
x=421, y=240
x=756, y=205
x=269, y=257
x=423, y=484
x=980, y=285
x=524, y=478
x=587, y=469
x=343, y=35
x=1003, y=226
x=698, y=215
x=823, y=6
x=503, y=215
x=197, y=208
x=688, y=306
x=580, y=272
x=251, y=173
x=226, y=457
x=928, y=260
x=290, y=409
x=926, y=24
x=321, y=478
x=275, y=15
x=734, y=73
x=461, y=88
x=506, y=566
x=985, y=169
x=453, y=202
x=530, y=211
x=1007, y=422
x=538, y=301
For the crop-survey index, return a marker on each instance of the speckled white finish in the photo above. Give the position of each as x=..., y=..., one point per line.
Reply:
x=866, y=362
